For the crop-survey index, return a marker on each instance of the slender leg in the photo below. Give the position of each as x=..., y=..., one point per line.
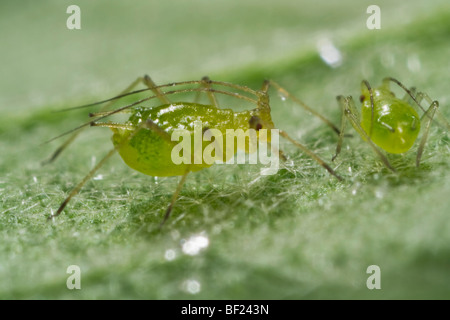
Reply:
x=408, y=92
x=156, y=90
x=112, y=125
x=81, y=184
x=426, y=124
x=206, y=84
x=264, y=96
x=408, y=98
x=417, y=98
x=149, y=124
x=174, y=198
x=286, y=94
x=62, y=147
x=349, y=106
x=372, y=112
x=104, y=113
x=311, y=154
x=433, y=110
x=164, y=135
x=342, y=131
x=444, y=122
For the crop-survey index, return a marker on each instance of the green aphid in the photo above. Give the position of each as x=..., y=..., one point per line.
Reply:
x=144, y=141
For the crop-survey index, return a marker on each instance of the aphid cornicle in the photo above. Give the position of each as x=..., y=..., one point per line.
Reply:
x=387, y=122
x=144, y=141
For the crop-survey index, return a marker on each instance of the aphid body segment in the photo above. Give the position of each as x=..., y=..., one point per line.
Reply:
x=149, y=152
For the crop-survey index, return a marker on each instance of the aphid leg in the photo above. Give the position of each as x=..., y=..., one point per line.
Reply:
x=426, y=119
x=156, y=90
x=342, y=130
x=149, y=124
x=265, y=100
x=91, y=173
x=174, y=198
x=372, y=107
x=409, y=92
x=442, y=120
x=112, y=125
x=206, y=84
x=417, y=98
x=105, y=113
x=349, y=109
x=408, y=98
x=164, y=135
x=310, y=154
x=81, y=184
x=285, y=94
x=62, y=147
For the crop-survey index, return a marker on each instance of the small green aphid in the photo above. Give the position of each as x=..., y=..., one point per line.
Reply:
x=144, y=141
x=387, y=122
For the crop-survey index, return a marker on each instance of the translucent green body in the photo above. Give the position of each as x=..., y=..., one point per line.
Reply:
x=150, y=153
x=395, y=125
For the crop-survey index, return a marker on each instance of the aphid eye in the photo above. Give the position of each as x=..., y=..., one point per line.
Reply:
x=361, y=98
x=255, y=123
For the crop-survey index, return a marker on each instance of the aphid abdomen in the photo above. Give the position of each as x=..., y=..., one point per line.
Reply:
x=396, y=124
x=148, y=152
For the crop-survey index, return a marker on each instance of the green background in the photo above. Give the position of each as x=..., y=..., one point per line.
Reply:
x=299, y=234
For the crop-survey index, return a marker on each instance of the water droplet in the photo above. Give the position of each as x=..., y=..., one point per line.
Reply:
x=170, y=254
x=191, y=286
x=329, y=53
x=194, y=244
x=282, y=94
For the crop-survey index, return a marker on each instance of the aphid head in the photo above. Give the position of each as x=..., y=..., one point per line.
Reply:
x=380, y=91
x=261, y=121
x=261, y=117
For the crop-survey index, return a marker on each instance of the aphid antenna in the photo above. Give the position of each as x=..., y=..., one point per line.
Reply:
x=118, y=110
x=211, y=82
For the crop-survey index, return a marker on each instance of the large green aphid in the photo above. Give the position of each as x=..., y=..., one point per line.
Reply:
x=144, y=140
x=386, y=122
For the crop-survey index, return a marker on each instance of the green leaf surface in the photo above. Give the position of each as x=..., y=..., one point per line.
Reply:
x=299, y=234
